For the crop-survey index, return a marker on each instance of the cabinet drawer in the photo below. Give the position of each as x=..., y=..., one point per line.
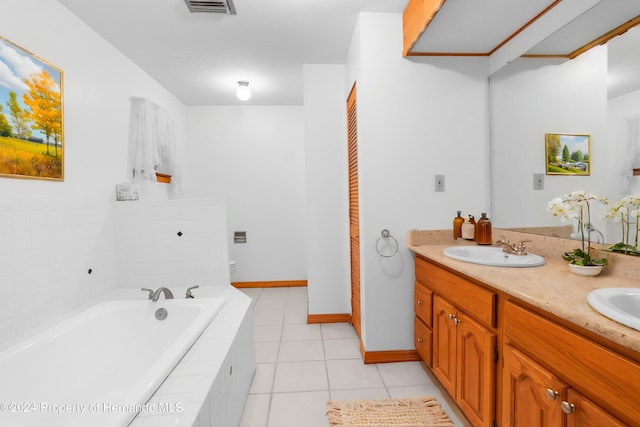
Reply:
x=423, y=303
x=606, y=378
x=476, y=301
x=423, y=339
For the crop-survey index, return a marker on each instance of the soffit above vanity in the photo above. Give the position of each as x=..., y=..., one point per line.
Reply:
x=472, y=27
x=596, y=26
x=554, y=28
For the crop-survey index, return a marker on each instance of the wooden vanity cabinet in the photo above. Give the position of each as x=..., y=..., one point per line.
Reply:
x=551, y=372
x=463, y=345
x=552, y=376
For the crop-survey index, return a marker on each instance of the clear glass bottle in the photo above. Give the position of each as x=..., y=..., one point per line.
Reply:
x=457, y=226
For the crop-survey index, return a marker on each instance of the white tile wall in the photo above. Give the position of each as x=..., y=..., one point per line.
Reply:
x=152, y=254
x=47, y=249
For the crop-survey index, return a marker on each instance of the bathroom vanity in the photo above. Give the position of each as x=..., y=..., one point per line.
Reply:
x=521, y=346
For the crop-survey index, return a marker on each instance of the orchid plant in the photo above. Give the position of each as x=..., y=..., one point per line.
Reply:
x=623, y=212
x=576, y=205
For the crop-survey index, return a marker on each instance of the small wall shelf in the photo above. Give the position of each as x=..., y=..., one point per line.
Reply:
x=163, y=177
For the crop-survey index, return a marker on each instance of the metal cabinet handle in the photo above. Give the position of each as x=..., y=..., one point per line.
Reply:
x=419, y=302
x=456, y=321
x=451, y=316
x=420, y=340
x=567, y=408
x=551, y=394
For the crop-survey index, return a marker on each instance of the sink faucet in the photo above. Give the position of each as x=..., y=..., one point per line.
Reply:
x=513, y=248
x=155, y=295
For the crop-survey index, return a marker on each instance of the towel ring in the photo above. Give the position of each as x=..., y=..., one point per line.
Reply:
x=384, y=234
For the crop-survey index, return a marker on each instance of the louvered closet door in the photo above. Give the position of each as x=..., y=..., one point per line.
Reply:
x=354, y=210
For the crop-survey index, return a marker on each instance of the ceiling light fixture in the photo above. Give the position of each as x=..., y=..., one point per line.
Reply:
x=243, y=92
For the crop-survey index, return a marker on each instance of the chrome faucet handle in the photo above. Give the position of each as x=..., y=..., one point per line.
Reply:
x=151, y=292
x=188, y=294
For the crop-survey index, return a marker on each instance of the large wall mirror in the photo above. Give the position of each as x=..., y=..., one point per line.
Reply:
x=595, y=94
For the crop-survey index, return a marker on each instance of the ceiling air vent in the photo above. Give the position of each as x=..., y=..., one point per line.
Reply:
x=214, y=6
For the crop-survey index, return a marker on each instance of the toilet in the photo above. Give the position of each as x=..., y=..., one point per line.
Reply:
x=232, y=266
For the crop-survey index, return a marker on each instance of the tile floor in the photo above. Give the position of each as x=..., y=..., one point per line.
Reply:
x=301, y=366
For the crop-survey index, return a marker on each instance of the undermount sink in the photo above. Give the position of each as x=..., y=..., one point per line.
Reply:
x=619, y=304
x=493, y=256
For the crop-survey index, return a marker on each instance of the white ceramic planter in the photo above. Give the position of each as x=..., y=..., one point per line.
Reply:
x=586, y=270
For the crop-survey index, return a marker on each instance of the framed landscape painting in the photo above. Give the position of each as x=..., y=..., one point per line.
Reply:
x=567, y=154
x=31, y=116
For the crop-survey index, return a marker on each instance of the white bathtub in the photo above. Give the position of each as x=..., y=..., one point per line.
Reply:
x=98, y=368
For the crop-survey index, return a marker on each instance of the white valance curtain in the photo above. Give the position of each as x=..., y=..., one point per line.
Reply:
x=151, y=142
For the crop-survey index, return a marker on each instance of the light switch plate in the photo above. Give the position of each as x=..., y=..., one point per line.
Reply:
x=439, y=182
x=538, y=181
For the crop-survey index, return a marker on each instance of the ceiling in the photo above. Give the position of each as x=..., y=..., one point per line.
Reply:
x=200, y=57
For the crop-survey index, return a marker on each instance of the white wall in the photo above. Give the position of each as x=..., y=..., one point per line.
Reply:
x=327, y=226
x=57, y=256
x=52, y=232
x=532, y=97
x=176, y=243
x=46, y=253
x=623, y=156
x=416, y=118
x=621, y=180
x=253, y=157
x=98, y=81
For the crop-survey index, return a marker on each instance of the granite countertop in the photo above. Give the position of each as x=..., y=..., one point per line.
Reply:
x=551, y=287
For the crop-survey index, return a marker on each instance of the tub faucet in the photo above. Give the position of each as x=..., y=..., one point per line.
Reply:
x=156, y=295
x=513, y=248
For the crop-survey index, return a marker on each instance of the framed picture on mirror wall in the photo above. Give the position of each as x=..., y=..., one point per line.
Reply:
x=567, y=154
x=31, y=117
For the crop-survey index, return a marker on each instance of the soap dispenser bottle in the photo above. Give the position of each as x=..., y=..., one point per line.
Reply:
x=483, y=230
x=469, y=228
x=457, y=226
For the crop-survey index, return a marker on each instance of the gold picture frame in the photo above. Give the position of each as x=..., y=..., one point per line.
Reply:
x=31, y=115
x=567, y=154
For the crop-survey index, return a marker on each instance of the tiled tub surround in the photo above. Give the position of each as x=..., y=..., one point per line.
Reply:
x=46, y=252
x=212, y=381
x=113, y=354
x=551, y=287
x=208, y=386
x=57, y=256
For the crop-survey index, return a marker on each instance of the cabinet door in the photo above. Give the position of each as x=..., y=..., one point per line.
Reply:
x=475, y=385
x=531, y=395
x=584, y=413
x=423, y=337
x=444, y=343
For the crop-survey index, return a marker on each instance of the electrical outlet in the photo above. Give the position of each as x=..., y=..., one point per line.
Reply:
x=538, y=181
x=439, y=182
